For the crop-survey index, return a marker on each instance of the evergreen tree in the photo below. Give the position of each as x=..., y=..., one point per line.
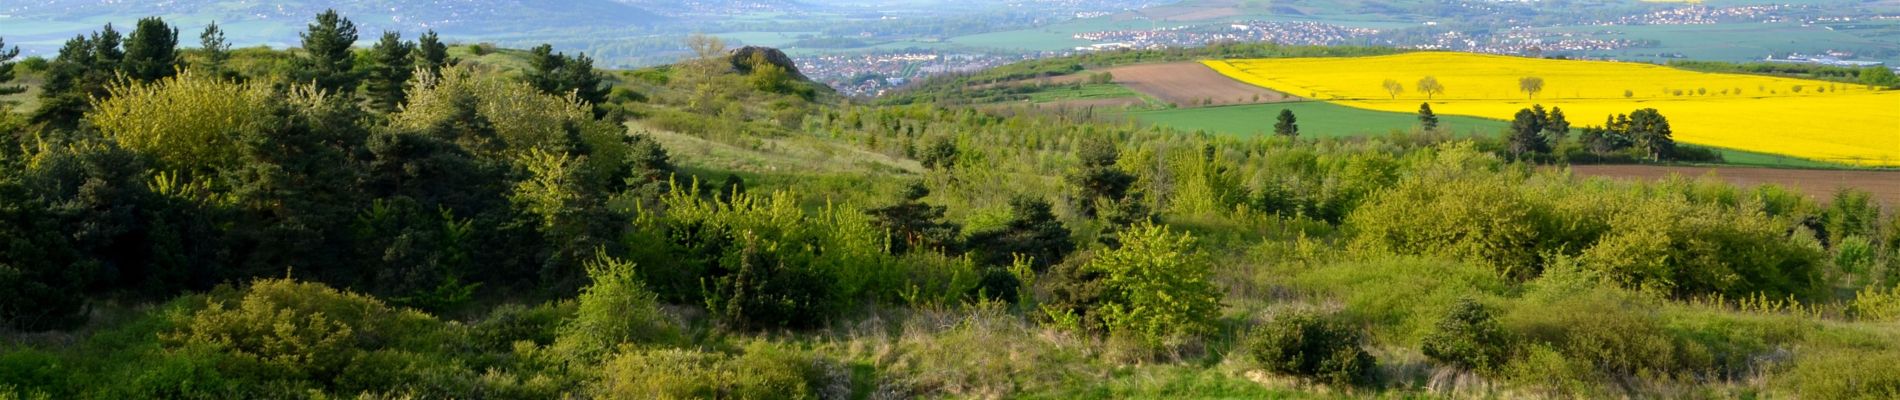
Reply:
x=1426, y=119
x=1287, y=125
x=389, y=75
x=940, y=154
x=107, y=51
x=1032, y=231
x=151, y=53
x=214, y=51
x=328, y=61
x=1098, y=179
x=6, y=69
x=545, y=69
x=914, y=225
x=73, y=79
x=579, y=76
x=1556, y=126
x=431, y=53
x=558, y=74
x=1527, y=138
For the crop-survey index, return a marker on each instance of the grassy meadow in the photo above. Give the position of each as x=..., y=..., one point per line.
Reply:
x=1794, y=117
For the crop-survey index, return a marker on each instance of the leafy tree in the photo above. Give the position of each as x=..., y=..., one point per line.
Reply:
x=1032, y=231
x=1470, y=338
x=188, y=123
x=1392, y=87
x=214, y=51
x=1530, y=85
x=431, y=53
x=1098, y=178
x=6, y=69
x=1879, y=77
x=328, y=61
x=1527, y=134
x=1286, y=125
x=1157, y=288
x=151, y=53
x=1429, y=86
x=1650, y=131
x=940, y=154
x=1426, y=119
x=389, y=73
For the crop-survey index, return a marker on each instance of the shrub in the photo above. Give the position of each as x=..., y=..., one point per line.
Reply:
x=614, y=310
x=1603, y=329
x=1157, y=288
x=1469, y=337
x=762, y=372
x=298, y=330
x=1844, y=374
x=1312, y=346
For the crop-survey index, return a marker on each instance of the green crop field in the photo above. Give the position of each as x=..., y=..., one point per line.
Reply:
x=1316, y=119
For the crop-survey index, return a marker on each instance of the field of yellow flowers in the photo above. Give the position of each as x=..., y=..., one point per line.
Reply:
x=1820, y=120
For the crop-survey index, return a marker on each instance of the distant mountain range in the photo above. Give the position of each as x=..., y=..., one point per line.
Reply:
x=40, y=24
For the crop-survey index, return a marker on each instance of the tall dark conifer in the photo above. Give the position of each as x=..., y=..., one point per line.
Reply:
x=431, y=54
x=328, y=61
x=6, y=69
x=389, y=75
x=151, y=53
x=214, y=51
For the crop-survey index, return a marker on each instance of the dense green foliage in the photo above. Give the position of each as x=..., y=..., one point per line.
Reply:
x=740, y=233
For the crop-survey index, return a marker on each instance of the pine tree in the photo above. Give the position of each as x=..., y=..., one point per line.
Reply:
x=151, y=53
x=6, y=69
x=544, y=70
x=328, y=61
x=107, y=54
x=72, y=79
x=390, y=74
x=1556, y=126
x=431, y=54
x=1426, y=119
x=215, y=51
x=1098, y=179
x=579, y=76
x=1288, y=125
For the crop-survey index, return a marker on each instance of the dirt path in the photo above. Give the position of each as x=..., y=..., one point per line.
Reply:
x=1190, y=84
x=1821, y=184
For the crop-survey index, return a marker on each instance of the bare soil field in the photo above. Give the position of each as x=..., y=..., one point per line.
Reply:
x=1821, y=184
x=1190, y=84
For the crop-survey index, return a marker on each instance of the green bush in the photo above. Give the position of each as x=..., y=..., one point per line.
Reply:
x=1156, y=287
x=761, y=372
x=1470, y=338
x=1311, y=346
x=1844, y=374
x=298, y=331
x=616, y=309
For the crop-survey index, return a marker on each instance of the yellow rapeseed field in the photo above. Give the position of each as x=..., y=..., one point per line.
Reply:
x=1803, y=118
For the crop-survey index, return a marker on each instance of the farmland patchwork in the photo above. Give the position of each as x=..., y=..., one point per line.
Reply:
x=1821, y=120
